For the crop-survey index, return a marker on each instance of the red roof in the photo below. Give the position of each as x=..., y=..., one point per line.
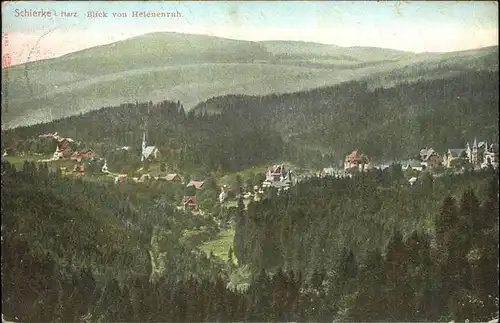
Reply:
x=196, y=184
x=171, y=177
x=189, y=199
x=84, y=152
x=354, y=156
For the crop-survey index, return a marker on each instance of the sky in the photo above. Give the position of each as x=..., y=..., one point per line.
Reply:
x=417, y=26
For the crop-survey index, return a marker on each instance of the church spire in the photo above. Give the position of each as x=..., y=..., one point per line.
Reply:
x=143, y=145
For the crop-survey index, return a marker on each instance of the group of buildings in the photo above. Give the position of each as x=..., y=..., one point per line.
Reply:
x=479, y=155
x=66, y=149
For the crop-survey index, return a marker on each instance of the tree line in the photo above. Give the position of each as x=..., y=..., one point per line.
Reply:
x=381, y=249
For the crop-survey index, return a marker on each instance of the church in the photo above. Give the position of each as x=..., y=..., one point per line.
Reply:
x=149, y=152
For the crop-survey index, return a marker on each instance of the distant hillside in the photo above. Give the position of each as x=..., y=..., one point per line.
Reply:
x=308, y=128
x=353, y=54
x=387, y=123
x=189, y=68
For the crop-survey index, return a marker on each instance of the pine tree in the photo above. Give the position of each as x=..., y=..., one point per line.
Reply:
x=399, y=294
x=370, y=295
x=444, y=225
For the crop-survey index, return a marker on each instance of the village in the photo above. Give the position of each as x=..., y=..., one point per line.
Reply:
x=479, y=155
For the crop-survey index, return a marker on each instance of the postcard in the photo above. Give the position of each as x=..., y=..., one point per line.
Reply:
x=230, y=161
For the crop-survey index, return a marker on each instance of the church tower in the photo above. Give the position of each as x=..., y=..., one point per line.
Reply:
x=143, y=145
x=468, y=150
x=474, y=152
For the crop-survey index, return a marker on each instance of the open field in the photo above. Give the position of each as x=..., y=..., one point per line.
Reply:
x=220, y=245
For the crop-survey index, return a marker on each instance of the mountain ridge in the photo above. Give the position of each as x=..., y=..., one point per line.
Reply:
x=150, y=67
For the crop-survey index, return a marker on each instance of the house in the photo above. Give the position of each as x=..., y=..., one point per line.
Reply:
x=285, y=180
x=196, y=184
x=275, y=173
x=120, y=178
x=412, y=180
x=172, y=178
x=329, y=171
x=356, y=160
x=189, y=202
x=430, y=158
x=412, y=164
x=7, y=152
x=490, y=156
x=454, y=156
x=83, y=154
x=60, y=154
x=143, y=179
x=63, y=143
x=433, y=161
x=62, y=150
x=426, y=152
x=79, y=169
x=476, y=153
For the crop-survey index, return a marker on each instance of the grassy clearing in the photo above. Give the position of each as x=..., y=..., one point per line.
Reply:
x=230, y=178
x=19, y=160
x=220, y=245
x=234, y=203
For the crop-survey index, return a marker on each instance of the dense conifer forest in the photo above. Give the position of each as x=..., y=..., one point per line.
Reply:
x=356, y=249
x=313, y=128
x=386, y=123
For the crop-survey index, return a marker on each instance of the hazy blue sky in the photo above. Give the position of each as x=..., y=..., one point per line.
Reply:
x=413, y=26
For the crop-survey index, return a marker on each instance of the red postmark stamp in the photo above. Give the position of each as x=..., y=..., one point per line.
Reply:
x=7, y=60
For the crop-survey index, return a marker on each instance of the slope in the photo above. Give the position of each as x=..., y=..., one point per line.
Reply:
x=190, y=68
x=388, y=123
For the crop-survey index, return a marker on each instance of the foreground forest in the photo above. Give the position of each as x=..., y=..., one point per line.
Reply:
x=360, y=249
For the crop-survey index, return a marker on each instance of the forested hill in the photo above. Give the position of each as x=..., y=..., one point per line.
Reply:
x=70, y=246
x=384, y=122
x=314, y=128
x=187, y=141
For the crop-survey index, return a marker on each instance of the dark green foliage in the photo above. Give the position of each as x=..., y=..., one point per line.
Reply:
x=68, y=244
x=386, y=123
x=163, y=167
x=313, y=128
x=420, y=274
x=228, y=141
